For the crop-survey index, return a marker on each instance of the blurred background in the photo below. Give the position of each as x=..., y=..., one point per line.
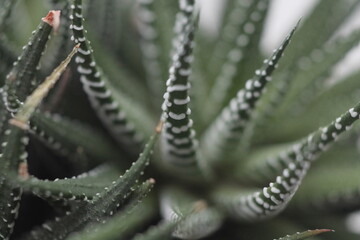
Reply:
x=282, y=17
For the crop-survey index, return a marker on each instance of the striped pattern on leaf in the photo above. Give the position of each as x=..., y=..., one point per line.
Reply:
x=305, y=149
x=226, y=132
x=12, y=163
x=272, y=199
x=13, y=158
x=178, y=143
x=96, y=86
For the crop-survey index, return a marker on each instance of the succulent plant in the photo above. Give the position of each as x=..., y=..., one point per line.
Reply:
x=236, y=144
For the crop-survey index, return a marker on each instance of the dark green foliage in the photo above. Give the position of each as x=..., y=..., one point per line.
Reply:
x=235, y=157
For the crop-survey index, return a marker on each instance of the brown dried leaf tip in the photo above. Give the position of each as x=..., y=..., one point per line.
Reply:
x=23, y=171
x=53, y=19
x=159, y=127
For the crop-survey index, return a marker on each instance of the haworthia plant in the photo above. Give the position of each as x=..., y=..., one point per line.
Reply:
x=235, y=157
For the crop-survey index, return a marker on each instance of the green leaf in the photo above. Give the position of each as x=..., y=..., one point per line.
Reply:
x=178, y=143
x=308, y=37
x=118, y=113
x=20, y=81
x=32, y=102
x=336, y=188
x=8, y=56
x=123, y=223
x=309, y=80
x=83, y=187
x=150, y=48
x=12, y=161
x=103, y=205
x=68, y=137
x=237, y=45
x=250, y=205
x=307, y=149
x=327, y=105
x=226, y=132
x=305, y=235
x=161, y=231
x=196, y=219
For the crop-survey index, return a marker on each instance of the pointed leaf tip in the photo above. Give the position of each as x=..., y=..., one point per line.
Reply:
x=159, y=127
x=22, y=117
x=305, y=235
x=53, y=19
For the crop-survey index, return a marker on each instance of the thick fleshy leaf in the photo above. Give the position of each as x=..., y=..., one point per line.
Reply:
x=103, y=205
x=32, y=102
x=178, y=143
x=252, y=205
x=336, y=188
x=8, y=56
x=71, y=138
x=307, y=149
x=308, y=37
x=227, y=131
x=304, y=235
x=238, y=44
x=196, y=219
x=121, y=225
x=20, y=81
x=161, y=231
x=150, y=47
x=313, y=71
x=116, y=111
x=83, y=187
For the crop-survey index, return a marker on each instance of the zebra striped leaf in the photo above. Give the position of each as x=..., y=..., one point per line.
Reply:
x=308, y=149
x=178, y=143
x=227, y=131
x=109, y=105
